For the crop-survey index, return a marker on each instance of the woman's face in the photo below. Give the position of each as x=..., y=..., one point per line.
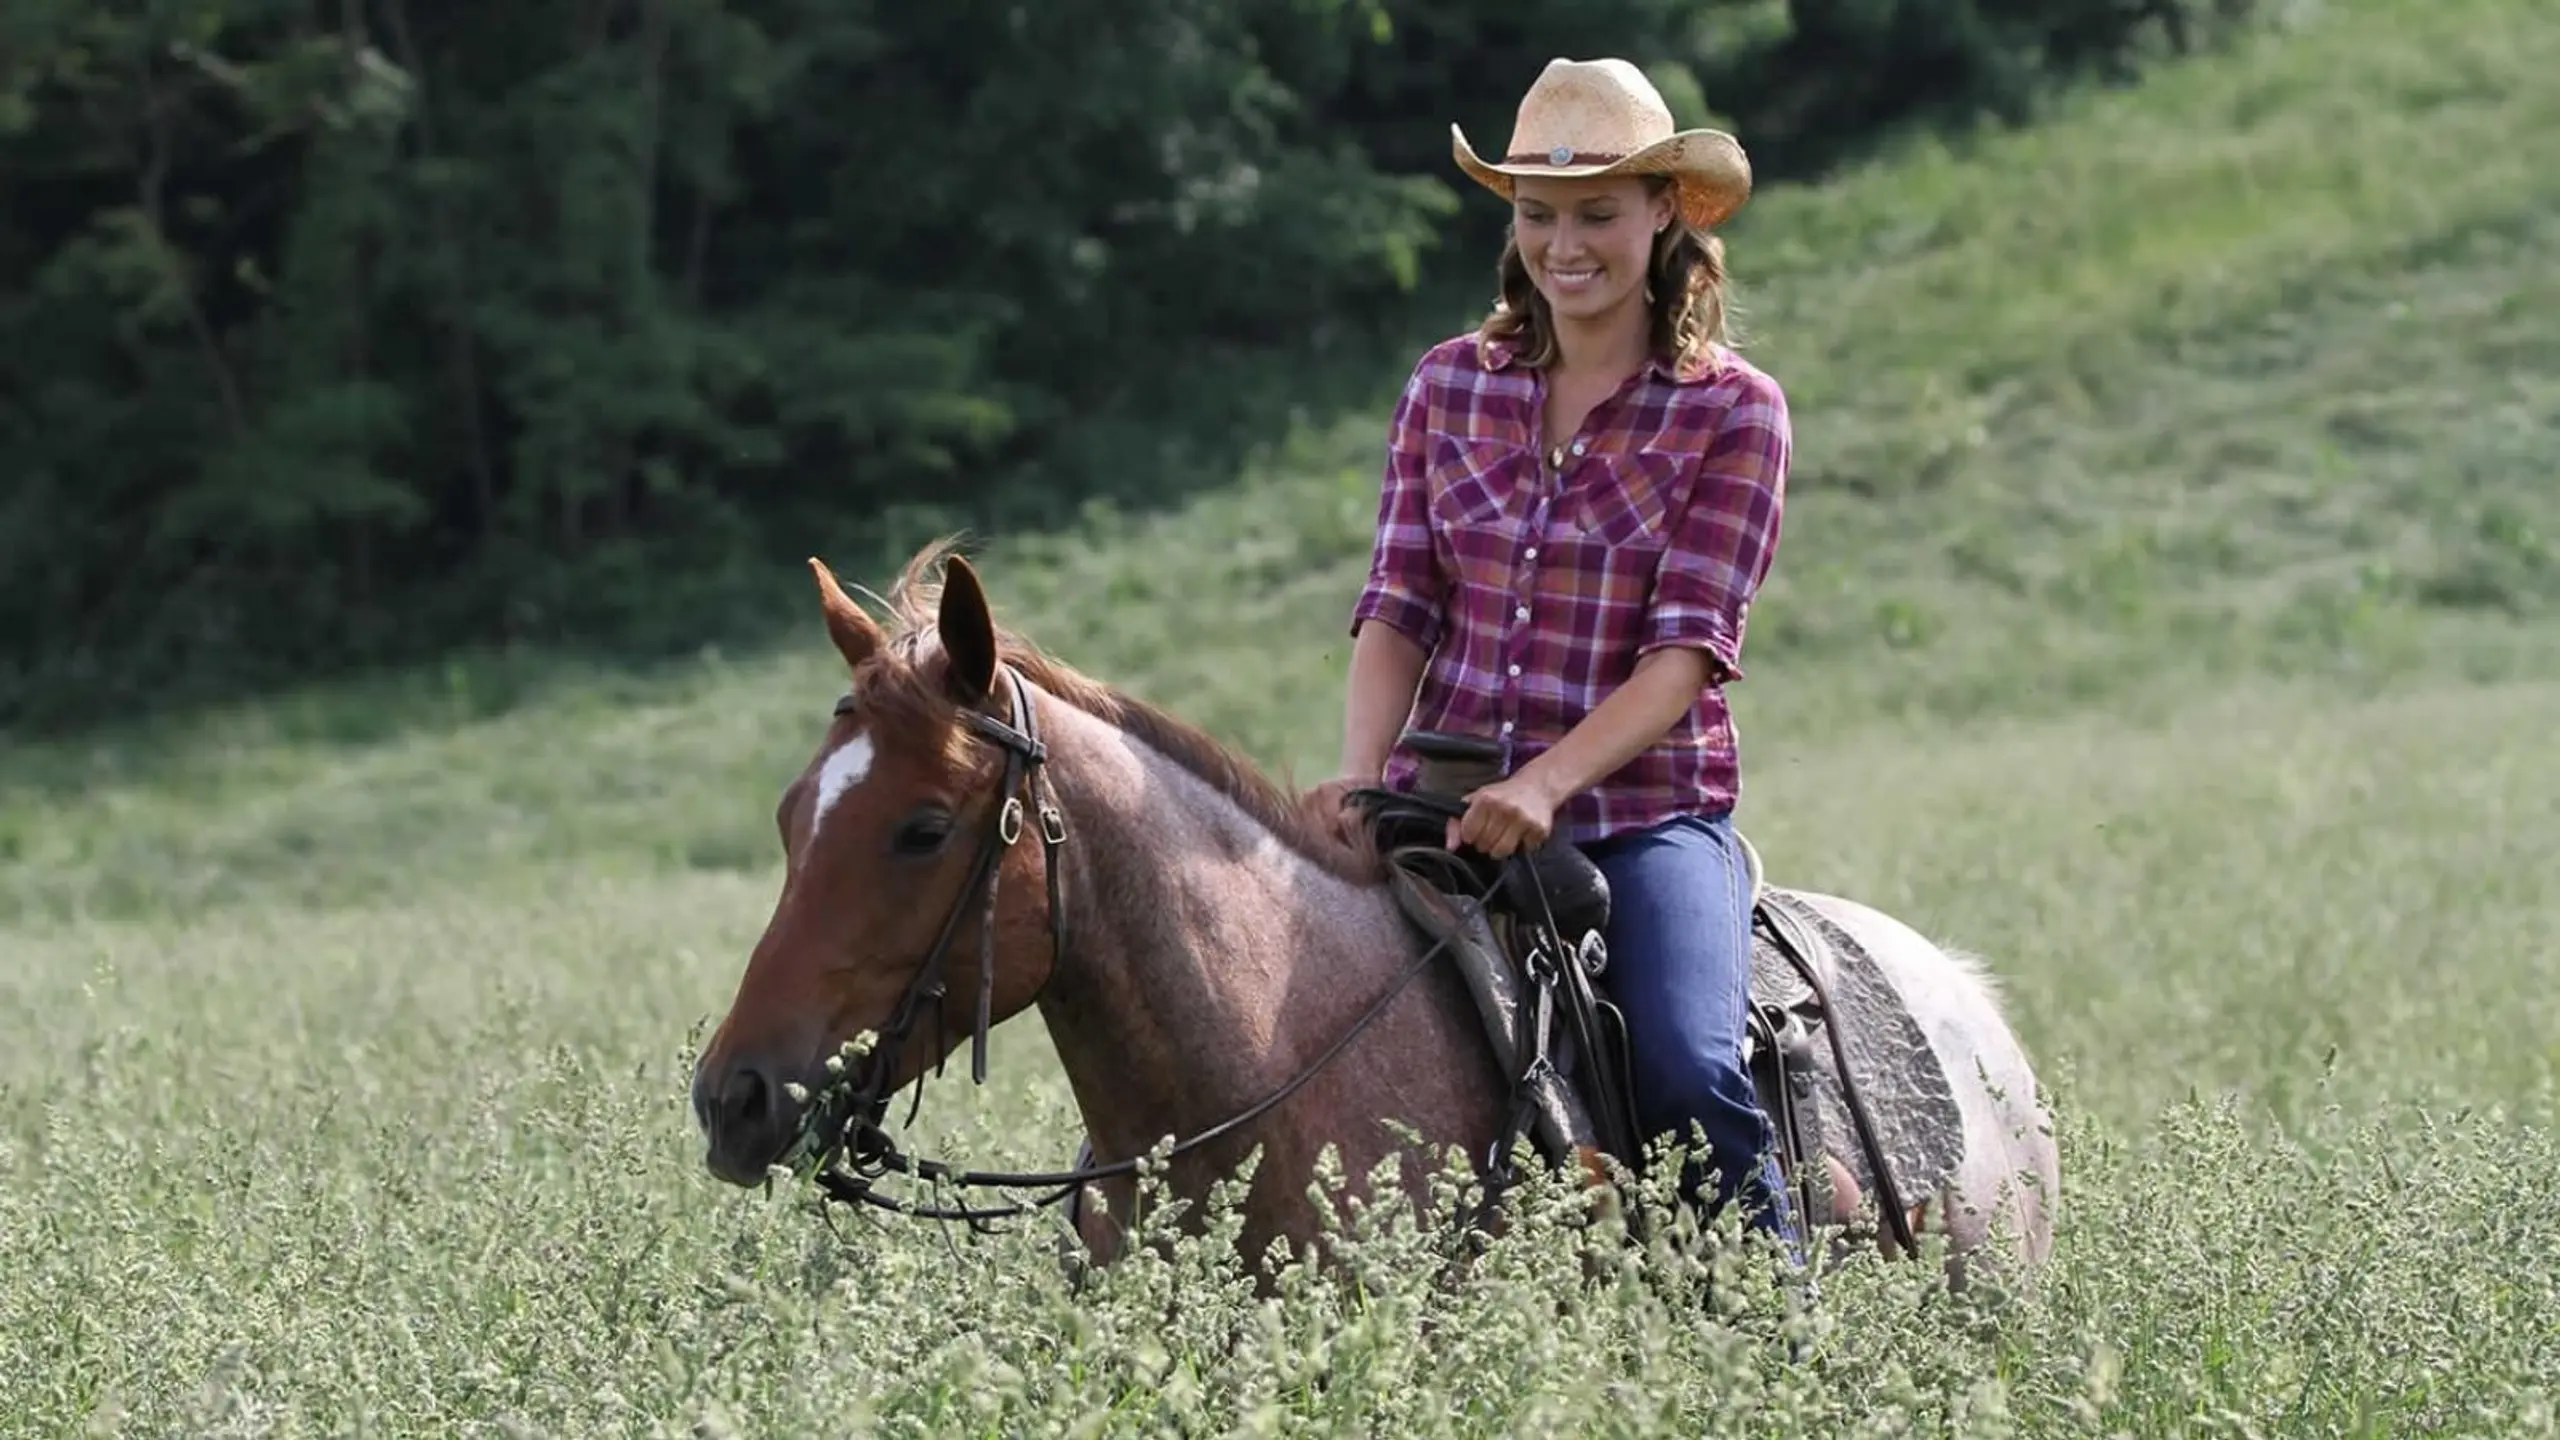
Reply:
x=1588, y=241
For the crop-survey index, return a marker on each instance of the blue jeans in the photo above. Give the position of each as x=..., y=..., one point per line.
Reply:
x=1679, y=939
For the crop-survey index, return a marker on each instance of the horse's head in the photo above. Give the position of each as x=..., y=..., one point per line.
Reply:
x=892, y=834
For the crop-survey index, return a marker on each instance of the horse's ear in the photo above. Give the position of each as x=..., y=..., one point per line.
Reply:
x=856, y=634
x=968, y=630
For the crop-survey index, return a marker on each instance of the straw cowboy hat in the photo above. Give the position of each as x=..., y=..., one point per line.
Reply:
x=1603, y=117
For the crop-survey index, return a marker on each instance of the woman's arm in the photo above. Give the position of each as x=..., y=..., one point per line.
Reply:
x=1665, y=684
x=1397, y=619
x=1386, y=668
x=1720, y=550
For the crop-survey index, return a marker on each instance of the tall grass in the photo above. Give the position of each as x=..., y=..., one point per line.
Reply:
x=422, y=1163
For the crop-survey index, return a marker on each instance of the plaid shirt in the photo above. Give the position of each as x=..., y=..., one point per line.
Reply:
x=1535, y=596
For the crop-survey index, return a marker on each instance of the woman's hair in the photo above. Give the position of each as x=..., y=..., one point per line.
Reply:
x=1685, y=283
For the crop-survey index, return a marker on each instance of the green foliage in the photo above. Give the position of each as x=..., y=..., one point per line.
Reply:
x=348, y=337
x=334, y=337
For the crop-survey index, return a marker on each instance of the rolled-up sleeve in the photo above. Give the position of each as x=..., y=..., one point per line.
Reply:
x=1404, y=588
x=1727, y=532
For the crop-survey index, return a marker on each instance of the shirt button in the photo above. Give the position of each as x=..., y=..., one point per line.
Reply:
x=1515, y=669
x=1580, y=445
x=1506, y=727
x=1531, y=553
x=1520, y=614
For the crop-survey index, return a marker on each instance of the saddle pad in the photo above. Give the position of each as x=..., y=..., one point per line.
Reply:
x=1918, y=1125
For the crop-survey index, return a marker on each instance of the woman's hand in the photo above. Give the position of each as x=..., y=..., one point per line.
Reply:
x=1516, y=812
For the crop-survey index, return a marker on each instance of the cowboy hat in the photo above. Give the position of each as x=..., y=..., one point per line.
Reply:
x=1603, y=117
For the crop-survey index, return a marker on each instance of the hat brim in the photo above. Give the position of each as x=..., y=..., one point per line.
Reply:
x=1712, y=175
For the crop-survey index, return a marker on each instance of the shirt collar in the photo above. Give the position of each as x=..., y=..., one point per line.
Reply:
x=1497, y=355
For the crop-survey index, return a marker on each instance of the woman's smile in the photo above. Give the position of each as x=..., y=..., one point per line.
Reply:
x=1575, y=279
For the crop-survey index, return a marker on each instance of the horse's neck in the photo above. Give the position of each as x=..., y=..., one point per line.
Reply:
x=1208, y=962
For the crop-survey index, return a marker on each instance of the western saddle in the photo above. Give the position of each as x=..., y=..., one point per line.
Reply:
x=1527, y=933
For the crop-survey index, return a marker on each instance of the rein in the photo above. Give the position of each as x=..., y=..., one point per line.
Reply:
x=857, y=1154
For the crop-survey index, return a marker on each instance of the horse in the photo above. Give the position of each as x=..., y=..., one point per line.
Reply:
x=1217, y=961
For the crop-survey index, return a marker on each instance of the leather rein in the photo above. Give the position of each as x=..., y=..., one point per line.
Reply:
x=855, y=1154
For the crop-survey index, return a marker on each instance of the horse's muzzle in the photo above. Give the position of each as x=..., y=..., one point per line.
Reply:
x=747, y=1120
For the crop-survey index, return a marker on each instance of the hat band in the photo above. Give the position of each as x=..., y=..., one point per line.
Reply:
x=1566, y=155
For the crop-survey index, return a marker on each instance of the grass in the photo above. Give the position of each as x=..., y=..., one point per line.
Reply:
x=2166, y=613
x=422, y=1162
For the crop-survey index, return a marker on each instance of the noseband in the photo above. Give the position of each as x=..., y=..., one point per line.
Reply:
x=854, y=1153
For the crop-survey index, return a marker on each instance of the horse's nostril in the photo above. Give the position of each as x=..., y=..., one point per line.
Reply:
x=747, y=1098
x=747, y=1121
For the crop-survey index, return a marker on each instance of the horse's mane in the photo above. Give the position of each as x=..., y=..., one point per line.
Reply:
x=913, y=603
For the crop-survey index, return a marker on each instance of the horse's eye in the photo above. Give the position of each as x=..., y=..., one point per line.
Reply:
x=923, y=834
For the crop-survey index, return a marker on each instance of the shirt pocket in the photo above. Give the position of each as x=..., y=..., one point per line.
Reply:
x=1469, y=486
x=1624, y=506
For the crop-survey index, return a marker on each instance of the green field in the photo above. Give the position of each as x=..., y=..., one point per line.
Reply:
x=2170, y=611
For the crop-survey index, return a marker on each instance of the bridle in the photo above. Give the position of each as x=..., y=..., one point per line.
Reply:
x=854, y=1154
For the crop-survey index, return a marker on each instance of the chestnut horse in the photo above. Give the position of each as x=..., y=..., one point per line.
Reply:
x=982, y=830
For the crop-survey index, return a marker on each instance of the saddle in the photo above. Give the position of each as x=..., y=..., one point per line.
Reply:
x=1528, y=935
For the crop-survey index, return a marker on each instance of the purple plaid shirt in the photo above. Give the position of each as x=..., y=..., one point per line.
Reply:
x=1535, y=595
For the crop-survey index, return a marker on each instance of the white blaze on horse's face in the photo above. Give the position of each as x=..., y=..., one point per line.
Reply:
x=842, y=771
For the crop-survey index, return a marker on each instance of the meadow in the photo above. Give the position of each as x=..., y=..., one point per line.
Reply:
x=2170, y=612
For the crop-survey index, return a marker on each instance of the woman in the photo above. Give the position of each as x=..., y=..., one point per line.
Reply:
x=1581, y=499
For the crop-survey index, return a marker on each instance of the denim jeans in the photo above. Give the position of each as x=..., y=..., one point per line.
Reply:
x=1679, y=939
